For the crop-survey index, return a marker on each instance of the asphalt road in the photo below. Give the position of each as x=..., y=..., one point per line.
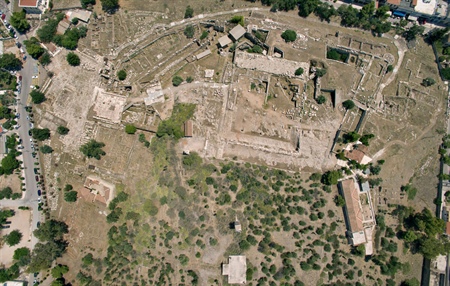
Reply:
x=30, y=198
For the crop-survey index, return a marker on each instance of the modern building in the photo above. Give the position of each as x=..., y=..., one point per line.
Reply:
x=235, y=269
x=435, y=11
x=358, y=154
x=352, y=211
x=237, y=32
x=224, y=41
x=82, y=15
x=188, y=128
x=63, y=26
x=203, y=54
x=30, y=6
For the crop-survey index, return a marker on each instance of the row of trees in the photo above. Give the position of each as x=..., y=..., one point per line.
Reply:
x=51, y=246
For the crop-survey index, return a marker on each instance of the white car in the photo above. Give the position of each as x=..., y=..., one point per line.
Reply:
x=39, y=200
x=31, y=140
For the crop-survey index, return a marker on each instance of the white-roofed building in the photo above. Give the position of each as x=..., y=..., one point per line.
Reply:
x=236, y=269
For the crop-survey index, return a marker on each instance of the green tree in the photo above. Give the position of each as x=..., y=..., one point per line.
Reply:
x=45, y=253
x=9, y=62
x=110, y=6
x=59, y=270
x=331, y=177
x=349, y=15
x=351, y=137
x=45, y=59
x=289, y=36
x=34, y=49
x=51, y=230
x=70, y=196
x=22, y=256
x=122, y=74
x=412, y=33
x=299, y=71
x=40, y=134
x=58, y=282
x=13, y=238
x=48, y=29
x=306, y=7
x=9, y=164
x=339, y=201
x=62, y=130
x=430, y=247
x=321, y=99
x=428, y=81
x=411, y=282
x=130, y=129
x=93, y=149
x=325, y=11
x=73, y=59
x=321, y=72
x=45, y=149
x=390, y=68
x=445, y=72
x=189, y=13
x=88, y=259
x=410, y=236
x=37, y=97
x=177, y=80
x=86, y=3
x=184, y=260
x=189, y=31
x=19, y=21
x=238, y=19
x=348, y=104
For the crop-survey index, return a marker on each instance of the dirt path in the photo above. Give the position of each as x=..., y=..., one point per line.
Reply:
x=402, y=48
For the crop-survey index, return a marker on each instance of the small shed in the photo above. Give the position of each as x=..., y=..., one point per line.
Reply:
x=188, y=128
x=203, y=54
x=224, y=41
x=237, y=32
x=62, y=27
x=237, y=226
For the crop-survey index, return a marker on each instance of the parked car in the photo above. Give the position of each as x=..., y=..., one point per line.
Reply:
x=5, y=226
x=36, y=170
x=37, y=178
x=39, y=192
x=38, y=225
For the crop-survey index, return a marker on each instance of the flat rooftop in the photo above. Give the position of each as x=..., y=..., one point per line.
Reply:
x=426, y=6
x=28, y=3
x=235, y=269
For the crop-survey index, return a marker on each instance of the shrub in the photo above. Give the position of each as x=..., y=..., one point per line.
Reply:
x=62, y=130
x=130, y=129
x=177, y=80
x=70, y=196
x=428, y=81
x=189, y=13
x=321, y=99
x=189, y=31
x=299, y=71
x=93, y=149
x=46, y=149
